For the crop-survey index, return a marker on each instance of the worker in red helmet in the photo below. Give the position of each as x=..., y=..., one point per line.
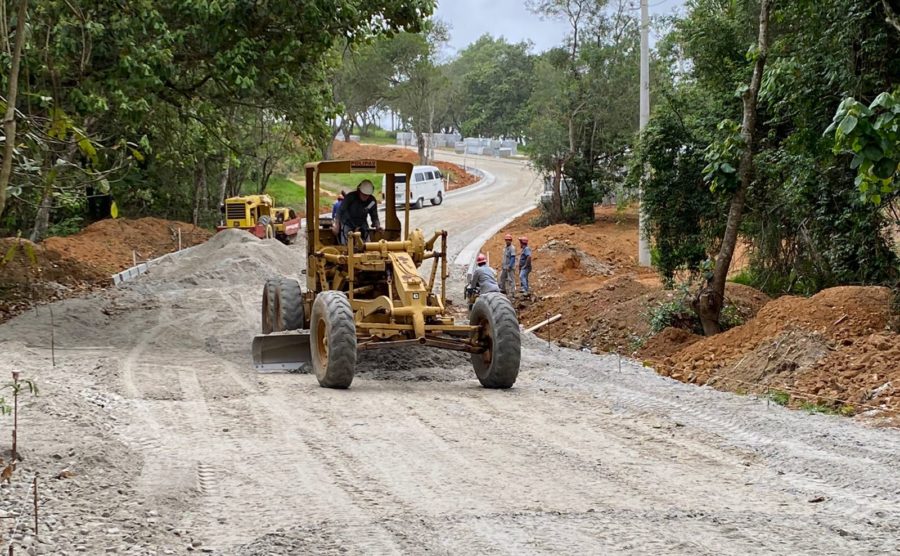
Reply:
x=483, y=278
x=524, y=263
x=508, y=267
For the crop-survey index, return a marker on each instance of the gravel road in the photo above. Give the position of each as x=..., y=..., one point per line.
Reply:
x=172, y=443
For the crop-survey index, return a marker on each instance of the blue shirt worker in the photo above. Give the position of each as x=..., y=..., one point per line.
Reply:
x=337, y=204
x=524, y=263
x=508, y=268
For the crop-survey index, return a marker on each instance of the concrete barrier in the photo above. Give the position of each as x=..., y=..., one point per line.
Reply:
x=133, y=272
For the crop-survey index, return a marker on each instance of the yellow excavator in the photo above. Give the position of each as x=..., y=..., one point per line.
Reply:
x=369, y=294
x=258, y=215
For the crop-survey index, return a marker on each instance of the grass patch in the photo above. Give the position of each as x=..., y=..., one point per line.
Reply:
x=378, y=140
x=377, y=136
x=285, y=192
x=744, y=278
x=348, y=182
x=811, y=407
x=780, y=397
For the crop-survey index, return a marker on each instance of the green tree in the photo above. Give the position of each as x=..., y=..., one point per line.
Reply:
x=582, y=110
x=801, y=212
x=167, y=82
x=494, y=80
x=417, y=82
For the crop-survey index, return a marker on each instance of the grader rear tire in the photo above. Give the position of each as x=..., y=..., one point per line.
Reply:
x=270, y=305
x=498, y=367
x=289, y=314
x=333, y=340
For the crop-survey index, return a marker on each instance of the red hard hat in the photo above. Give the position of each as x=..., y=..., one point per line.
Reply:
x=524, y=240
x=481, y=258
x=508, y=237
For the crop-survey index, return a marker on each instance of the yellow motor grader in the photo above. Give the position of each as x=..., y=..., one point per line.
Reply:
x=369, y=294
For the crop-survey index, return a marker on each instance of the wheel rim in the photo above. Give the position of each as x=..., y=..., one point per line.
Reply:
x=487, y=340
x=322, y=342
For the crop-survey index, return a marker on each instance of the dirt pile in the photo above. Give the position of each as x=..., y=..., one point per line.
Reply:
x=63, y=267
x=108, y=245
x=231, y=257
x=591, y=276
x=30, y=273
x=457, y=175
x=833, y=349
x=577, y=258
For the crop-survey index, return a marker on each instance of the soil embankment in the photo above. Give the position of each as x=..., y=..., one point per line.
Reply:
x=62, y=267
x=832, y=352
x=457, y=176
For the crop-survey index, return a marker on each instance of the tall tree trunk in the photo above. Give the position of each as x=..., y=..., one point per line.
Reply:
x=9, y=121
x=42, y=217
x=223, y=183
x=710, y=300
x=420, y=146
x=199, y=187
x=556, y=212
x=204, y=200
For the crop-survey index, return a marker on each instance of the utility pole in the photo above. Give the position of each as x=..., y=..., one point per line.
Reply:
x=644, y=241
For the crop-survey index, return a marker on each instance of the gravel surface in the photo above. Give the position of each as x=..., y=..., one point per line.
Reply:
x=164, y=440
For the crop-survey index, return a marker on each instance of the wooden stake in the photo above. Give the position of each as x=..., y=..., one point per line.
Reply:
x=35, y=506
x=543, y=323
x=52, y=338
x=15, y=376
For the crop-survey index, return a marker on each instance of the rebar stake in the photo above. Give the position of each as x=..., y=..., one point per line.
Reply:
x=35, y=506
x=15, y=376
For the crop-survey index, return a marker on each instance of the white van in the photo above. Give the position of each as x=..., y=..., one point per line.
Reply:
x=427, y=185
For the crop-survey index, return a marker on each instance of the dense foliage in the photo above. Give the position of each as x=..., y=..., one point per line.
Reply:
x=584, y=110
x=804, y=217
x=170, y=104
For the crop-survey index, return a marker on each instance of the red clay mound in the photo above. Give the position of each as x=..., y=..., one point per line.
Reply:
x=458, y=176
x=591, y=276
x=62, y=267
x=832, y=349
x=668, y=342
x=30, y=273
x=107, y=245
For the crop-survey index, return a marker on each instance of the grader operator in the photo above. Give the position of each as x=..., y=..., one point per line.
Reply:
x=364, y=294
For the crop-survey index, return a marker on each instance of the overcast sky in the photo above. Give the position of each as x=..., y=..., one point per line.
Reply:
x=469, y=19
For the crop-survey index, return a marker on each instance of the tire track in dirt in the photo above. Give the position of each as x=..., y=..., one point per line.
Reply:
x=798, y=476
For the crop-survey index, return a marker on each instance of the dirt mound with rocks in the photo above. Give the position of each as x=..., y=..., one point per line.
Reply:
x=63, y=267
x=590, y=275
x=458, y=177
x=31, y=273
x=110, y=245
x=833, y=349
x=668, y=342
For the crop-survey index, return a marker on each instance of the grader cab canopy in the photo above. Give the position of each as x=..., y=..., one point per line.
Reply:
x=369, y=294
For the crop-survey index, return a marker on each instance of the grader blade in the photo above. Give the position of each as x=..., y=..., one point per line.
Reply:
x=281, y=351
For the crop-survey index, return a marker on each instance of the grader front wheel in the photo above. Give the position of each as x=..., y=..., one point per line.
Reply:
x=333, y=340
x=289, y=314
x=270, y=305
x=498, y=366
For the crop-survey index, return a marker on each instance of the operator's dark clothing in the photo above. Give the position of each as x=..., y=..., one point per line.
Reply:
x=354, y=213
